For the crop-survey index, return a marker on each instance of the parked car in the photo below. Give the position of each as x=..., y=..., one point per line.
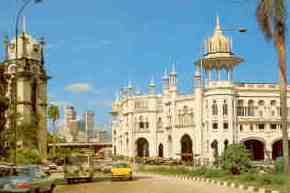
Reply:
x=25, y=179
x=121, y=170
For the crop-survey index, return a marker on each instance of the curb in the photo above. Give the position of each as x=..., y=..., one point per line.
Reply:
x=251, y=189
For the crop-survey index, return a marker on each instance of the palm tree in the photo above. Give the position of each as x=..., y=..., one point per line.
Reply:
x=53, y=114
x=271, y=17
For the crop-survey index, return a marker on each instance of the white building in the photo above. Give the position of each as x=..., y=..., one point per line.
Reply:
x=200, y=125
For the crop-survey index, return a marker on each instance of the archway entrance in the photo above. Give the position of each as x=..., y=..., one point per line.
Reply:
x=277, y=149
x=142, y=147
x=186, y=148
x=160, y=150
x=169, y=146
x=256, y=149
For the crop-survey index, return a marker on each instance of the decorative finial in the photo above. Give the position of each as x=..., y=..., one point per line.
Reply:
x=218, y=26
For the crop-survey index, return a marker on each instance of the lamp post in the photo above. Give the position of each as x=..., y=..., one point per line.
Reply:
x=14, y=74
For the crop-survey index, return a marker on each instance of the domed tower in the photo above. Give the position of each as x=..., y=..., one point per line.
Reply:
x=215, y=72
x=218, y=56
x=29, y=80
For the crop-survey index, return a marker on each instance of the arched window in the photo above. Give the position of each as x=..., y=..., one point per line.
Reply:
x=240, y=108
x=273, y=102
x=141, y=123
x=261, y=102
x=251, y=108
x=214, y=108
x=225, y=108
x=159, y=122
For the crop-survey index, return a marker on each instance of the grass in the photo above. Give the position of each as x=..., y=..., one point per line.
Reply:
x=269, y=181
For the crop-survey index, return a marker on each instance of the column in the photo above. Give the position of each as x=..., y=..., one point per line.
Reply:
x=218, y=74
x=228, y=74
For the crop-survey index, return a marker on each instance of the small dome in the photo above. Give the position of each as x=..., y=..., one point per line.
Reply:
x=218, y=43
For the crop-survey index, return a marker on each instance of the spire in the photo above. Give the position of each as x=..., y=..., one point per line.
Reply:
x=165, y=76
x=173, y=71
x=23, y=24
x=218, y=27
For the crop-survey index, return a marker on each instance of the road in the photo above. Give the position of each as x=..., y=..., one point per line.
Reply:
x=146, y=184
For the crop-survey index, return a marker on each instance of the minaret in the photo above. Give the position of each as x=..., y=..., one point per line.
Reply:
x=165, y=80
x=173, y=79
x=152, y=87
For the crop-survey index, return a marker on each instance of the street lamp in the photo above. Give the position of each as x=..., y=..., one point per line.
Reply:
x=14, y=73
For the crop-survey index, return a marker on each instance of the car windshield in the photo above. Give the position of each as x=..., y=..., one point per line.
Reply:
x=76, y=160
x=120, y=165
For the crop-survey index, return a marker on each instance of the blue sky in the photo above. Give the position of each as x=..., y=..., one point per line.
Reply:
x=96, y=47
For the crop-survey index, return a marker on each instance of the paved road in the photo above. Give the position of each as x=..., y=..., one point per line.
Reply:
x=146, y=184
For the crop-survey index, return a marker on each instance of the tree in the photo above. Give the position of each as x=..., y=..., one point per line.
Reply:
x=271, y=17
x=53, y=114
x=236, y=159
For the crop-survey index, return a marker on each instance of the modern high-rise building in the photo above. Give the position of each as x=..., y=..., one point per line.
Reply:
x=88, y=122
x=69, y=115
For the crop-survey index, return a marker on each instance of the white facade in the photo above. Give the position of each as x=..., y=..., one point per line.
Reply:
x=200, y=125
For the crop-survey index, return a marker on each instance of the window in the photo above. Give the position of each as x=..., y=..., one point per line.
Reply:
x=273, y=113
x=251, y=127
x=251, y=108
x=226, y=125
x=273, y=102
x=225, y=108
x=240, y=108
x=261, y=113
x=159, y=122
x=273, y=126
x=215, y=126
x=214, y=108
x=241, y=127
x=261, y=126
x=261, y=102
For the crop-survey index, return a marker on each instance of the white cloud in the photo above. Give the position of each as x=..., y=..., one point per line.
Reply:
x=78, y=87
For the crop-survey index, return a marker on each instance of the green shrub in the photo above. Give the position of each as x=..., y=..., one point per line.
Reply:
x=28, y=156
x=279, y=165
x=236, y=159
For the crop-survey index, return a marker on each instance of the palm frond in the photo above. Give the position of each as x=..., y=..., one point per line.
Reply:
x=264, y=14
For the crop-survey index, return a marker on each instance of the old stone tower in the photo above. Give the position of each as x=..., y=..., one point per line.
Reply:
x=29, y=76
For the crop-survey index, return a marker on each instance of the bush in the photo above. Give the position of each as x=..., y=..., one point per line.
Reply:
x=279, y=165
x=28, y=156
x=236, y=159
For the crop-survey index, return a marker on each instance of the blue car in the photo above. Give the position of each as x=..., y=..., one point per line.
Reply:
x=26, y=179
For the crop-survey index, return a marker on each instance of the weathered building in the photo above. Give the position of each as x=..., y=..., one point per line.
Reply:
x=27, y=78
x=200, y=125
